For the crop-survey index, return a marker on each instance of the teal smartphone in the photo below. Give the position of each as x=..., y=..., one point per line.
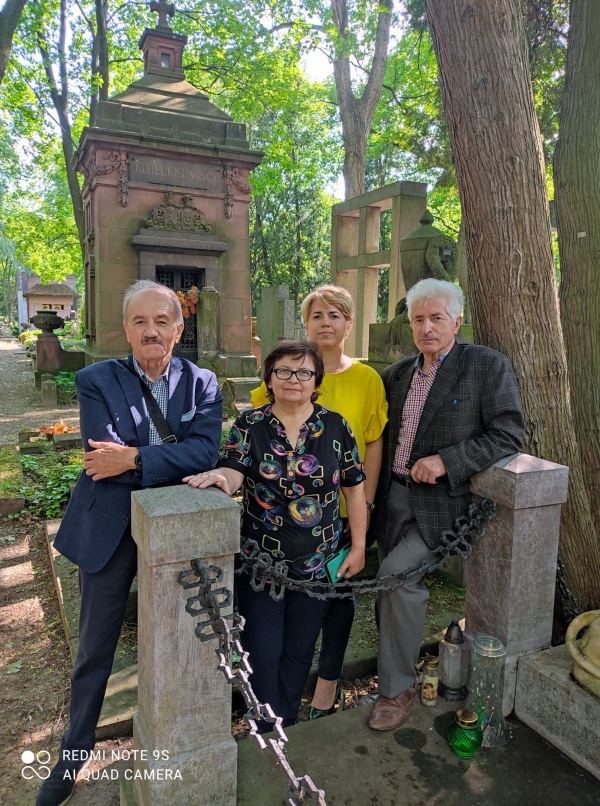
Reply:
x=334, y=563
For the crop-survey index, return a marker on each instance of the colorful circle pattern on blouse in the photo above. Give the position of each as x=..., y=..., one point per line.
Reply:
x=306, y=512
x=270, y=470
x=306, y=465
x=265, y=496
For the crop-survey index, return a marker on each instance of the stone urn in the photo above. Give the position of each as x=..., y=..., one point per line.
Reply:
x=47, y=321
x=586, y=653
x=48, y=351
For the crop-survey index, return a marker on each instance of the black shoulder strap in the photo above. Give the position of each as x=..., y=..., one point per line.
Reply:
x=158, y=418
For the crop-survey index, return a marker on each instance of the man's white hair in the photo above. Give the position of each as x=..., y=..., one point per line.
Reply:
x=430, y=288
x=150, y=285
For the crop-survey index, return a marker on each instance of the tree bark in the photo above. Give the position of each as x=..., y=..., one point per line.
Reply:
x=9, y=19
x=59, y=92
x=577, y=204
x=357, y=113
x=496, y=145
x=99, y=71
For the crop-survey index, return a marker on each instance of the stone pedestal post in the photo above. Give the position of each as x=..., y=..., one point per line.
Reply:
x=182, y=731
x=49, y=394
x=512, y=571
x=276, y=317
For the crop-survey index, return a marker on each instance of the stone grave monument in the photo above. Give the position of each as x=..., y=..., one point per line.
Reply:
x=425, y=252
x=166, y=198
x=276, y=317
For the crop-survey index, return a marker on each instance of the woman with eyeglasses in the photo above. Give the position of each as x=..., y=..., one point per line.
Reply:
x=292, y=457
x=356, y=391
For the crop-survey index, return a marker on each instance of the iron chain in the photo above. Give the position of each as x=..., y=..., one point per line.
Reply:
x=568, y=602
x=210, y=601
x=262, y=570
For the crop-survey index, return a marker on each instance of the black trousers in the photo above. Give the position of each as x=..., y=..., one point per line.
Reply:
x=280, y=638
x=103, y=602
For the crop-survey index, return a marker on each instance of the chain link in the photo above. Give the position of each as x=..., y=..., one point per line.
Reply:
x=568, y=601
x=210, y=601
x=262, y=569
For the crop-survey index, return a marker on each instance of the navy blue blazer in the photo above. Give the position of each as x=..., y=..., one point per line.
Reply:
x=113, y=409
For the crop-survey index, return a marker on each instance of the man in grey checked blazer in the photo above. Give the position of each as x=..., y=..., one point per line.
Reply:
x=454, y=410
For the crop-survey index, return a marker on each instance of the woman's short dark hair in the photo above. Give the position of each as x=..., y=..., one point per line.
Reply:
x=294, y=349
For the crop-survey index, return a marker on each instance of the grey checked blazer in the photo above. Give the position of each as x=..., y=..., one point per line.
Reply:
x=472, y=418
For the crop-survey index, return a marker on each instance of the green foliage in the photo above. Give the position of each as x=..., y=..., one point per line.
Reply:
x=65, y=387
x=48, y=479
x=29, y=337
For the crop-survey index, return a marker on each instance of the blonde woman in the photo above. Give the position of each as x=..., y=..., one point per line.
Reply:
x=355, y=391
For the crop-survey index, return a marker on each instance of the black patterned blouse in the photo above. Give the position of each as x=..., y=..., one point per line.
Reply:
x=291, y=497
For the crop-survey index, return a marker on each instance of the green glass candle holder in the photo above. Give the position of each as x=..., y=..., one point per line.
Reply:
x=464, y=734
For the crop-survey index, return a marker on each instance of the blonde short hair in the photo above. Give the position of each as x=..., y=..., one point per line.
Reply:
x=330, y=295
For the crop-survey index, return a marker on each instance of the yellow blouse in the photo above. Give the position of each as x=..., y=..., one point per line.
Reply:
x=357, y=394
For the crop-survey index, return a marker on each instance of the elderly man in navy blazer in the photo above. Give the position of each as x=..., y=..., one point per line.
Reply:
x=124, y=452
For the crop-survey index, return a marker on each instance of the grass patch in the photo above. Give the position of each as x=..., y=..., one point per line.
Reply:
x=11, y=476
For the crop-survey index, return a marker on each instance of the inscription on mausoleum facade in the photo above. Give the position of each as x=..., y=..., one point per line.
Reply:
x=175, y=172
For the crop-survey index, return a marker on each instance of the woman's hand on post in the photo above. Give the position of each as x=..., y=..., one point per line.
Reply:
x=211, y=478
x=354, y=562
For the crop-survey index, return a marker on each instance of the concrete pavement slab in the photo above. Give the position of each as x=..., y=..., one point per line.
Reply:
x=413, y=766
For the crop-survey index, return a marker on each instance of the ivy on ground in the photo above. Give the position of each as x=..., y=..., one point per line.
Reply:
x=48, y=479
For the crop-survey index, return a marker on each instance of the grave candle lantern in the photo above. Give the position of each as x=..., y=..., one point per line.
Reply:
x=454, y=664
x=485, y=688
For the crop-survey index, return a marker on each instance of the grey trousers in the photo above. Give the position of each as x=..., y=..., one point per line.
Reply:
x=401, y=610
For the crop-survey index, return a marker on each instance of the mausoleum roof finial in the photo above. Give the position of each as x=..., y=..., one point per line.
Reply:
x=163, y=9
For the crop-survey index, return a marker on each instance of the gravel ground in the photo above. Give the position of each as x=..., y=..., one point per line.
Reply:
x=20, y=401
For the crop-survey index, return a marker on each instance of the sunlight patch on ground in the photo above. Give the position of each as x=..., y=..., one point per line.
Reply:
x=16, y=575
x=14, y=551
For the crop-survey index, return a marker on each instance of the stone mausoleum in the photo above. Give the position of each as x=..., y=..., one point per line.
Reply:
x=166, y=198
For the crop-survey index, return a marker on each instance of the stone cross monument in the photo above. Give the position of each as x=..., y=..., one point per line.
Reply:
x=166, y=198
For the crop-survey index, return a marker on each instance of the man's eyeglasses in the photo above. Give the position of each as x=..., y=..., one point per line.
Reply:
x=301, y=374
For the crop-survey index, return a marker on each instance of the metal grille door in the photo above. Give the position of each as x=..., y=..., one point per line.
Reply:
x=183, y=280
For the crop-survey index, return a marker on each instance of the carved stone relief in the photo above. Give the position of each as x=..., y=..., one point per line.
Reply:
x=185, y=217
x=117, y=160
x=233, y=178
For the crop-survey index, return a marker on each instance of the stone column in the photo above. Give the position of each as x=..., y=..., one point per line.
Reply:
x=209, y=323
x=512, y=570
x=182, y=731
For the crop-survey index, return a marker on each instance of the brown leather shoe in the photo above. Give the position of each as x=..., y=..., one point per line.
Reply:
x=388, y=714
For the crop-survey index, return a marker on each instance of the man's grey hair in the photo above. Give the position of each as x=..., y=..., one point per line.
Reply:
x=150, y=285
x=430, y=288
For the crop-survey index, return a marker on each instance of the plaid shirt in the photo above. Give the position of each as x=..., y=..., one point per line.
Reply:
x=160, y=391
x=411, y=413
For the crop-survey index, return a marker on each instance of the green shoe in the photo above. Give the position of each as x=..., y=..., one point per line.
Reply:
x=317, y=713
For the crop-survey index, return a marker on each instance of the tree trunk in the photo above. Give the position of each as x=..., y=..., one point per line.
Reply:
x=9, y=18
x=357, y=113
x=99, y=71
x=60, y=100
x=463, y=275
x=264, y=252
x=497, y=150
x=577, y=204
